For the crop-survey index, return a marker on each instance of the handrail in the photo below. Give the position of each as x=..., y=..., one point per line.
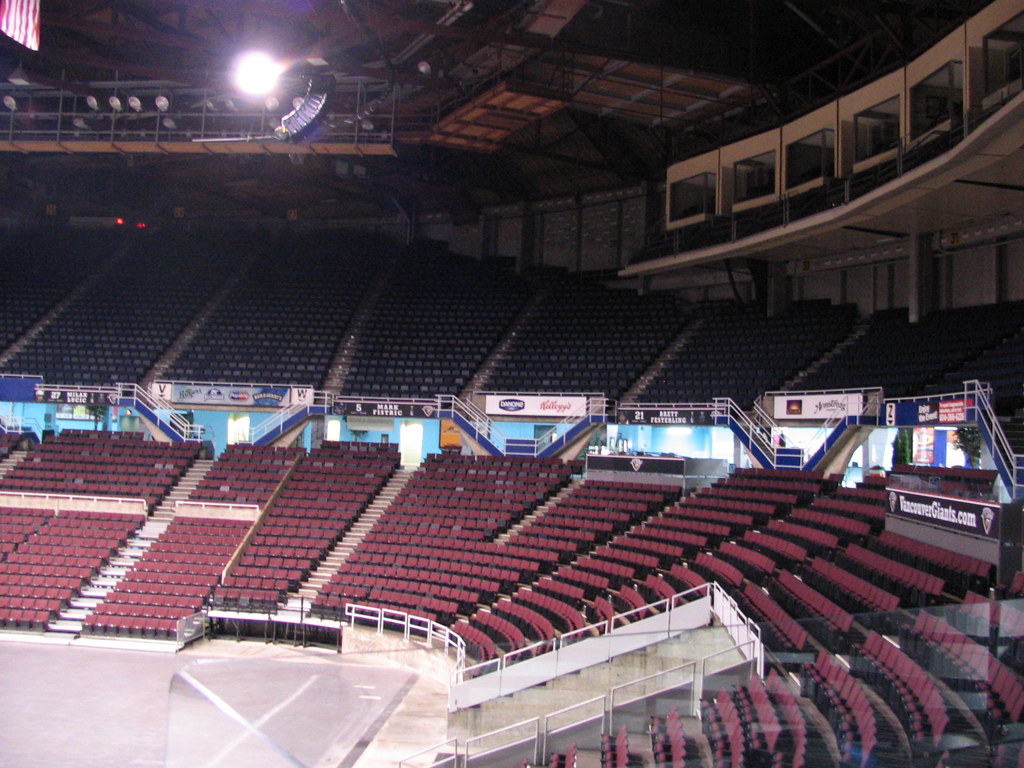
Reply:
x=597, y=405
x=600, y=628
x=543, y=722
x=410, y=625
x=1001, y=447
x=19, y=424
x=480, y=421
x=163, y=411
x=279, y=418
x=728, y=407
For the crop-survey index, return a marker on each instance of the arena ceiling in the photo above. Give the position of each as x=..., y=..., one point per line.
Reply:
x=461, y=103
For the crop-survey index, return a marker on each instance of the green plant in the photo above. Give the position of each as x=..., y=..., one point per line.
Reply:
x=968, y=440
x=98, y=414
x=903, y=447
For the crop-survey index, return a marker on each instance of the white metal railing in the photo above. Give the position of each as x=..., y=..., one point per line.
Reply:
x=386, y=618
x=482, y=423
x=1001, y=448
x=624, y=633
x=738, y=625
x=488, y=429
x=597, y=405
x=754, y=429
x=539, y=730
x=19, y=424
x=698, y=683
x=163, y=410
x=279, y=418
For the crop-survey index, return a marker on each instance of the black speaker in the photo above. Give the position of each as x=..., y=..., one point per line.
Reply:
x=304, y=118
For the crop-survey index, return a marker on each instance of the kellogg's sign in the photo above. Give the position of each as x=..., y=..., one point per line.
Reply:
x=546, y=406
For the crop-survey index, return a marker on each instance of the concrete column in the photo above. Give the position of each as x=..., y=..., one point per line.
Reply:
x=921, y=278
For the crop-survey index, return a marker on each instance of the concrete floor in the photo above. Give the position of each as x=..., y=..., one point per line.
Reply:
x=220, y=703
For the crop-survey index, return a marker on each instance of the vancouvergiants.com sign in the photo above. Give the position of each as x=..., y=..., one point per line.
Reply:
x=970, y=517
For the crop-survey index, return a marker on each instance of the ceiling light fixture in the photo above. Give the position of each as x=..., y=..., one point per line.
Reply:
x=256, y=72
x=80, y=123
x=10, y=103
x=135, y=103
x=92, y=103
x=115, y=104
x=162, y=103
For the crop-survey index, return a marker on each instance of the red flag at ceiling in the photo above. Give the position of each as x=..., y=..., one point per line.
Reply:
x=19, y=20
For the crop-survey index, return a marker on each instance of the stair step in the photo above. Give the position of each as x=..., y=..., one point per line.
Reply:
x=74, y=614
x=65, y=625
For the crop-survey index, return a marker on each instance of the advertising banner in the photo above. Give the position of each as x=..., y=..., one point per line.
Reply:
x=971, y=517
x=223, y=396
x=394, y=409
x=925, y=413
x=75, y=396
x=641, y=414
x=818, y=406
x=546, y=406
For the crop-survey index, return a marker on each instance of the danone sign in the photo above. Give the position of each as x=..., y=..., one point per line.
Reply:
x=547, y=406
x=970, y=517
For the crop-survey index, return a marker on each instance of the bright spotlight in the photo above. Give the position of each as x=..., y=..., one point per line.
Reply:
x=256, y=72
x=162, y=103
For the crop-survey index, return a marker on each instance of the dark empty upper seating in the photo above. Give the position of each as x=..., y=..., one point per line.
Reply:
x=903, y=357
x=586, y=338
x=432, y=326
x=125, y=317
x=283, y=320
x=738, y=353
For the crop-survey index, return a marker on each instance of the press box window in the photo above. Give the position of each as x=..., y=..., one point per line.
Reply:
x=755, y=177
x=1002, y=51
x=937, y=99
x=877, y=129
x=692, y=197
x=812, y=157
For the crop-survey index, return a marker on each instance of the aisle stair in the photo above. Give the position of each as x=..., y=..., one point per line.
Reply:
x=340, y=552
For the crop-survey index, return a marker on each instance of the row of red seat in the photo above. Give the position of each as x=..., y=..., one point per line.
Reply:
x=789, y=634
x=908, y=689
x=814, y=540
x=839, y=696
x=846, y=529
x=858, y=595
x=916, y=587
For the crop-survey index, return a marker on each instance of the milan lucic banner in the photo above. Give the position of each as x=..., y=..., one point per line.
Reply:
x=971, y=517
x=549, y=406
x=75, y=396
x=819, y=406
x=19, y=20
